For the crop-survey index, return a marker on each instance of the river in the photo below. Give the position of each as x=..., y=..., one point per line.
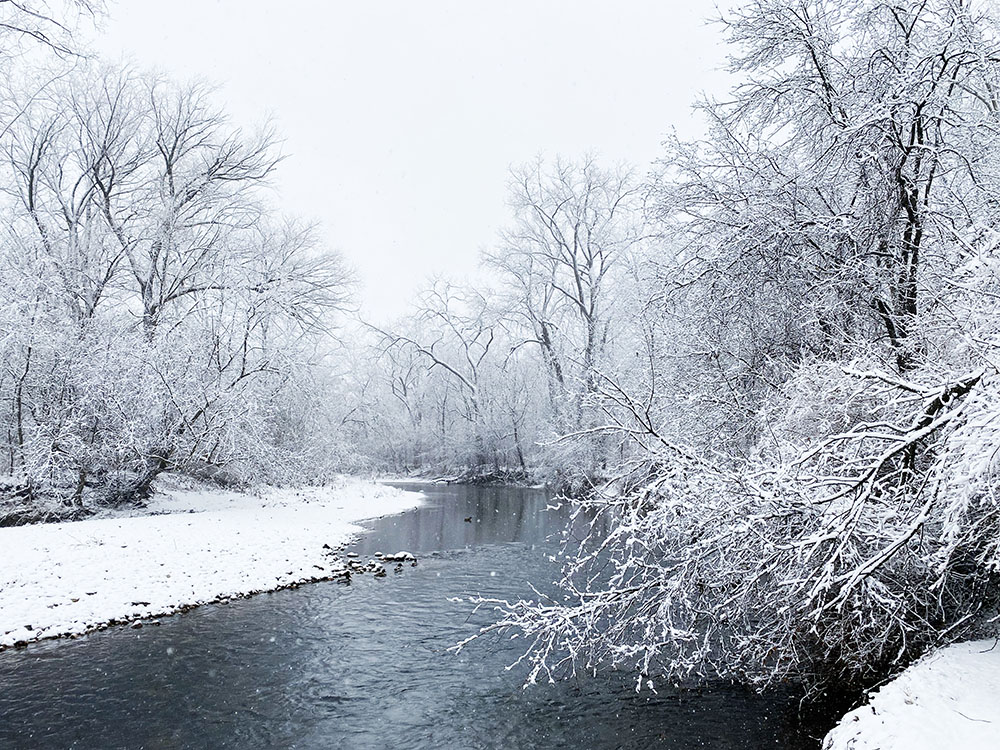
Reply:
x=366, y=664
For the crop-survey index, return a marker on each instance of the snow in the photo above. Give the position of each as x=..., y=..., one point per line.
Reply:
x=188, y=547
x=950, y=698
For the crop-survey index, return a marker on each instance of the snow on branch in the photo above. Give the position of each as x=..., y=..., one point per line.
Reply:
x=831, y=564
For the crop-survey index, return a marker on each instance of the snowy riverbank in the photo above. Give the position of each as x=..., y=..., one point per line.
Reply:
x=188, y=547
x=950, y=698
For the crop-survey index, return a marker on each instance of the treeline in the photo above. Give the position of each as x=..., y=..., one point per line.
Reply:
x=156, y=312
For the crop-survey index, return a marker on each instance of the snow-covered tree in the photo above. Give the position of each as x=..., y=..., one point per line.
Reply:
x=155, y=307
x=827, y=261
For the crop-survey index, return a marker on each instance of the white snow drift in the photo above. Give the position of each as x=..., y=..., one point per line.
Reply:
x=188, y=547
x=950, y=698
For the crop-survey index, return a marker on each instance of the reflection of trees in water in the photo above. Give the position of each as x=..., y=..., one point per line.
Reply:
x=498, y=515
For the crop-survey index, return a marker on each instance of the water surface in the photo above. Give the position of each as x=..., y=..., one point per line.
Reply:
x=366, y=664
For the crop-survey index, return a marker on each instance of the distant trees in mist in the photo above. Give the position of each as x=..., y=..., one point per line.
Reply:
x=504, y=378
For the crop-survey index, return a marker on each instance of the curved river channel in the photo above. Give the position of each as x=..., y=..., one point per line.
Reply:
x=366, y=664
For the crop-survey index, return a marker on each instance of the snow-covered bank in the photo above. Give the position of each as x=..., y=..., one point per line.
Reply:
x=187, y=547
x=950, y=698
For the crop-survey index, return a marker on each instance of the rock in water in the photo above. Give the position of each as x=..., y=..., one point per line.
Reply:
x=400, y=556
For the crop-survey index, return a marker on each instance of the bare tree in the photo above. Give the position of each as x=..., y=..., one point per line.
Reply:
x=574, y=227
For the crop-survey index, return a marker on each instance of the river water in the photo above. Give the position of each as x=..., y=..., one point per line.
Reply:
x=366, y=664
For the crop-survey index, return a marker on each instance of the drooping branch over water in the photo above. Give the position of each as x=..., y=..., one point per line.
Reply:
x=809, y=492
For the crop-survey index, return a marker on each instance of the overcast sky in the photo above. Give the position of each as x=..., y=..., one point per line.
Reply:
x=401, y=119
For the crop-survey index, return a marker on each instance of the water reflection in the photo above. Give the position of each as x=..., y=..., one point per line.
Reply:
x=365, y=665
x=456, y=518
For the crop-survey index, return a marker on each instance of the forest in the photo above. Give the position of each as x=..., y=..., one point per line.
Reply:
x=761, y=369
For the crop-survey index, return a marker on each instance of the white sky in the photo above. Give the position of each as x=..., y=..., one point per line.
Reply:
x=401, y=118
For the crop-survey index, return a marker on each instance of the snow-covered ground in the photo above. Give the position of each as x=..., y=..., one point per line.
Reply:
x=189, y=546
x=948, y=699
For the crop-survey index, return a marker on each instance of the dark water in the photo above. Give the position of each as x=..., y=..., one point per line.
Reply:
x=366, y=665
